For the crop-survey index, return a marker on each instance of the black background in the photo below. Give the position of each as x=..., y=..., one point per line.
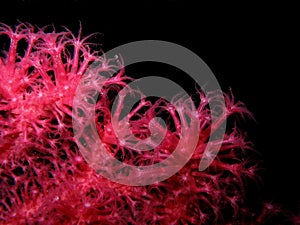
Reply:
x=249, y=47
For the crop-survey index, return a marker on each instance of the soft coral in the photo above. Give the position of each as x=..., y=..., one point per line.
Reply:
x=44, y=178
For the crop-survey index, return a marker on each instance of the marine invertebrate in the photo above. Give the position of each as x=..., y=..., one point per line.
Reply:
x=44, y=177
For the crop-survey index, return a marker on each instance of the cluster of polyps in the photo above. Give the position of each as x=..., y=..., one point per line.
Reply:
x=44, y=178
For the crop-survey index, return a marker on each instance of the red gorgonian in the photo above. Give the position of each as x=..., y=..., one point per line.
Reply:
x=44, y=178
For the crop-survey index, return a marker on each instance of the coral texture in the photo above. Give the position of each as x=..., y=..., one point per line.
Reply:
x=44, y=178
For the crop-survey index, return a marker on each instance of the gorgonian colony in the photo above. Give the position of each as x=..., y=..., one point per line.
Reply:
x=44, y=178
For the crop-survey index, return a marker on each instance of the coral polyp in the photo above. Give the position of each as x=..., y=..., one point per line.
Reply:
x=44, y=179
